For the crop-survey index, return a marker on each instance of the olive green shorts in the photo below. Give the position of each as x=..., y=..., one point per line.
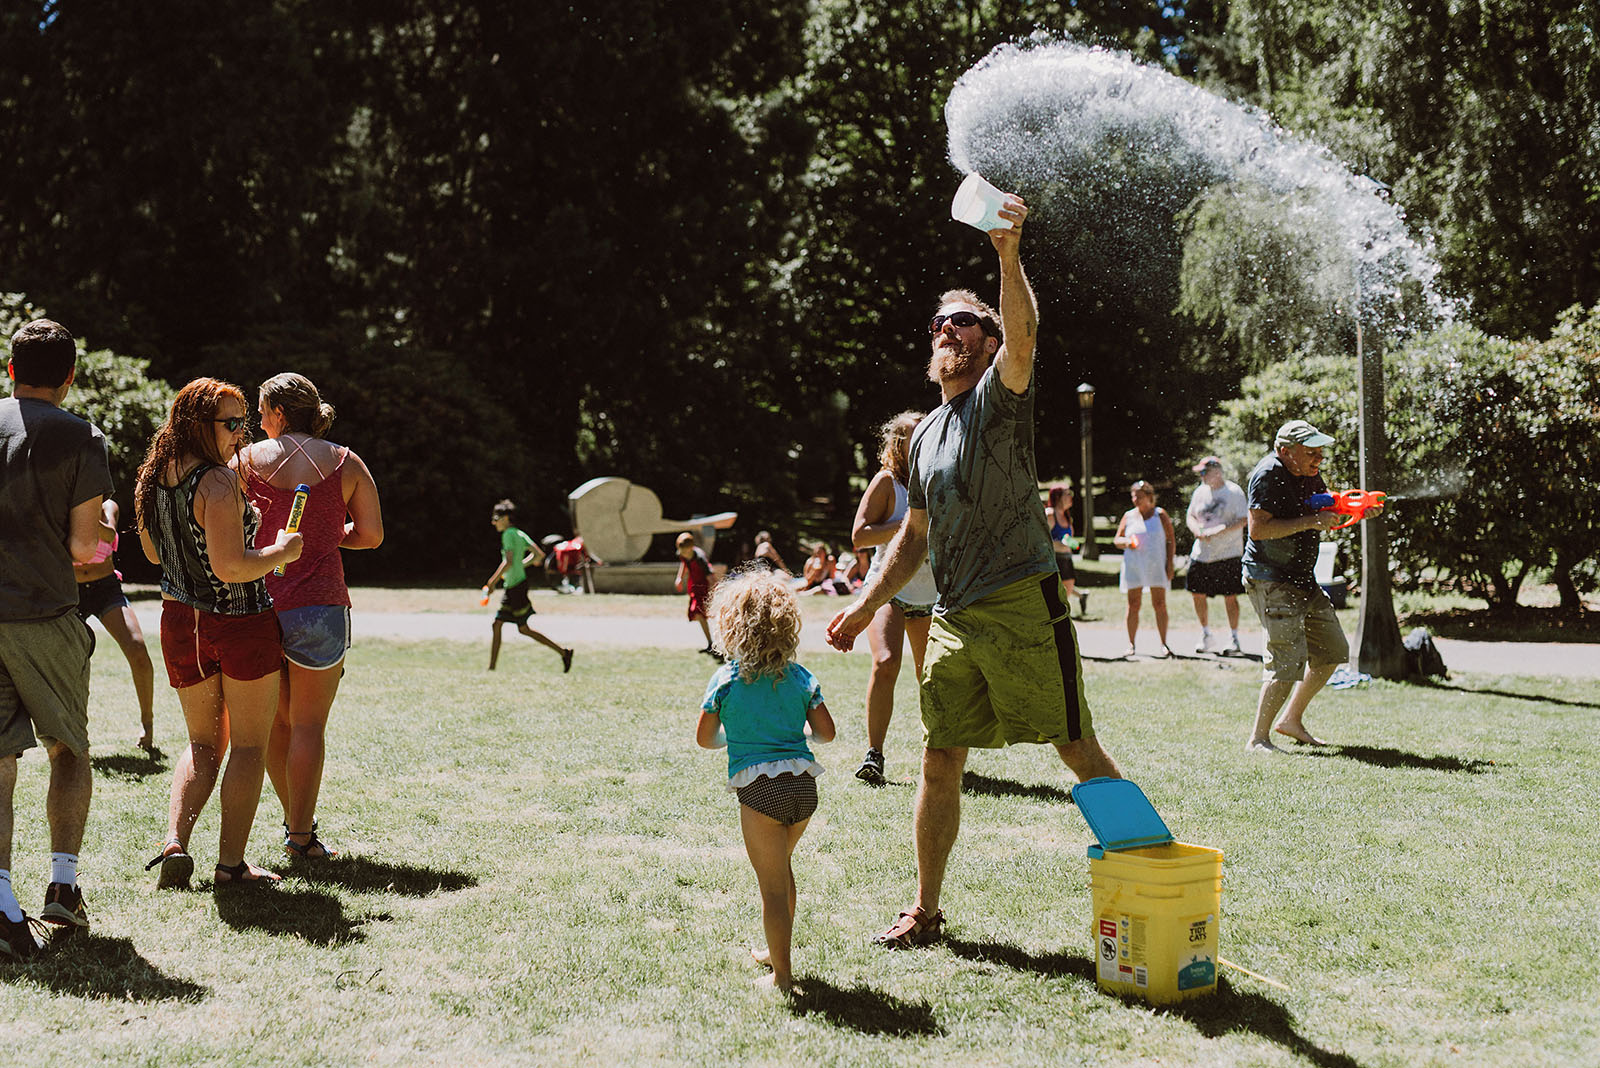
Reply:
x=44, y=684
x=1004, y=670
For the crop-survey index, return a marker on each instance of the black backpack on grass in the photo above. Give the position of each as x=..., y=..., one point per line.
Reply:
x=1425, y=658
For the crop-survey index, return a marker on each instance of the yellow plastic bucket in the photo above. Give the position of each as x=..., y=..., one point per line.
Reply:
x=1157, y=902
x=1157, y=911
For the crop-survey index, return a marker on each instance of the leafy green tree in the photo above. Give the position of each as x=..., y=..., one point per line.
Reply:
x=1482, y=122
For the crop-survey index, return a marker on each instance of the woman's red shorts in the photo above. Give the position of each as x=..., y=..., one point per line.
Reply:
x=196, y=645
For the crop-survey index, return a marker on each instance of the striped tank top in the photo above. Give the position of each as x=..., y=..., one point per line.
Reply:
x=186, y=573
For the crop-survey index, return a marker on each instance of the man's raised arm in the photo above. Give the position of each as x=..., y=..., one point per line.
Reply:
x=1019, y=311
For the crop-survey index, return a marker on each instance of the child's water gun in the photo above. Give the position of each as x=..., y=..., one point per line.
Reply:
x=296, y=510
x=1355, y=503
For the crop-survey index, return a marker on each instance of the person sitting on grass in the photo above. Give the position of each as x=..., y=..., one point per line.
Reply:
x=759, y=706
x=766, y=554
x=517, y=551
x=694, y=568
x=817, y=572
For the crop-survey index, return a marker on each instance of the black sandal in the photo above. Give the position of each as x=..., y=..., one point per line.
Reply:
x=176, y=868
x=297, y=851
x=239, y=875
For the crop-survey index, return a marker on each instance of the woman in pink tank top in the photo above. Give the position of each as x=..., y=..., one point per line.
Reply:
x=311, y=599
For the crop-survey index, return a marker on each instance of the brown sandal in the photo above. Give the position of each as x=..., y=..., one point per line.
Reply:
x=912, y=929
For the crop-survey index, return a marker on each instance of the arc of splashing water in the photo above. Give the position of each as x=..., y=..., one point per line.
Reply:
x=1036, y=110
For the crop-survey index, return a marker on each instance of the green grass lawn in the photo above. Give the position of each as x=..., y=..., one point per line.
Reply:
x=544, y=869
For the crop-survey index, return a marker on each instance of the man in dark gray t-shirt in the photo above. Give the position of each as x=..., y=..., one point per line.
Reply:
x=1002, y=662
x=53, y=478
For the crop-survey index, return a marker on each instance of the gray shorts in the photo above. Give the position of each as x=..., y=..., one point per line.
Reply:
x=1300, y=626
x=44, y=684
x=316, y=636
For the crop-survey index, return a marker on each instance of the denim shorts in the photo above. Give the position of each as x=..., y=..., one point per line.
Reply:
x=316, y=636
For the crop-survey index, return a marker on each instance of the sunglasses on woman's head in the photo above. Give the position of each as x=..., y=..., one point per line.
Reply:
x=234, y=424
x=961, y=318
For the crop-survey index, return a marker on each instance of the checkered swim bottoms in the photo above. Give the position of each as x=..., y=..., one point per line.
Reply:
x=787, y=798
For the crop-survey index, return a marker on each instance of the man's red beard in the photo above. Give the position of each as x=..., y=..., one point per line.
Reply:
x=949, y=362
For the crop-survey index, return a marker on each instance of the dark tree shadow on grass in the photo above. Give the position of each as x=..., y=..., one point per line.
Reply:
x=1230, y=1010
x=1215, y=1015
x=365, y=875
x=863, y=1009
x=973, y=782
x=131, y=766
x=314, y=915
x=84, y=965
x=1435, y=684
x=1385, y=757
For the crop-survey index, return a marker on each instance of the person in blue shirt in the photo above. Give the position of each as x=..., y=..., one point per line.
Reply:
x=760, y=705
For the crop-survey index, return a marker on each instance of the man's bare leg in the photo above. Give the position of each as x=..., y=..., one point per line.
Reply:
x=1089, y=760
x=1291, y=722
x=937, y=821
x=67, y=800
x=1274, y=693
x=8, y=789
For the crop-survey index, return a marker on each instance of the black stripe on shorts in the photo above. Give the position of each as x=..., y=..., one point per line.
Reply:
x=1066, y=653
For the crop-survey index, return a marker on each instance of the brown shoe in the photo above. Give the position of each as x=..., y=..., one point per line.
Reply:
x=912, y=929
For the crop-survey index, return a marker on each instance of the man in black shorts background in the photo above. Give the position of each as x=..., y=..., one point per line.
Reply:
x=1217, y=518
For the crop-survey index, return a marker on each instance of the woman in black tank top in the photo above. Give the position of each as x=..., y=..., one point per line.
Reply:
x=219, y=636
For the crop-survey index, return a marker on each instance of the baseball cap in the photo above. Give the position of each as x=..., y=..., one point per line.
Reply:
x=1209, y=461
x=1300, y=432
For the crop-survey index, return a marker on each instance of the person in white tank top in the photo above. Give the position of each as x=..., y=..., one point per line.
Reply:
x=1145, y=537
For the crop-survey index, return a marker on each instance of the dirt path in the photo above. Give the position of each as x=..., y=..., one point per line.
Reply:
x=586, y=622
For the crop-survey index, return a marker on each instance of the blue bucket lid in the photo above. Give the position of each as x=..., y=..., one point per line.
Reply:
x=1119, y=815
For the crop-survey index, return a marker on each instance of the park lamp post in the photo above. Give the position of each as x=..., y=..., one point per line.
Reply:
x=1091, y=549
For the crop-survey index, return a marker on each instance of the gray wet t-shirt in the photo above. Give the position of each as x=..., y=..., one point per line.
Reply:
x=973, y=470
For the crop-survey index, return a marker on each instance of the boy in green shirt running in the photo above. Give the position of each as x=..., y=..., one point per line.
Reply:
x=517, y=551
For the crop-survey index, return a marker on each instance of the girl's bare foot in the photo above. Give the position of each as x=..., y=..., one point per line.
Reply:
x=761, y=955
x=1261, y=745
x=147, y=738
x=771, y=982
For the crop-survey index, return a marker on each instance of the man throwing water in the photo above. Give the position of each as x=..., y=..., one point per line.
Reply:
x=1002, y=663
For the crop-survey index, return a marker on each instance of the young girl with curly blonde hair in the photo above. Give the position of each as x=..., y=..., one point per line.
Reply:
x=759, y=705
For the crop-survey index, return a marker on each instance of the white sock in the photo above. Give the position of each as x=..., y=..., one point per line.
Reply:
x=64, y=868
x=8, y=900
x=1236, y=637
x=1205, y=632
